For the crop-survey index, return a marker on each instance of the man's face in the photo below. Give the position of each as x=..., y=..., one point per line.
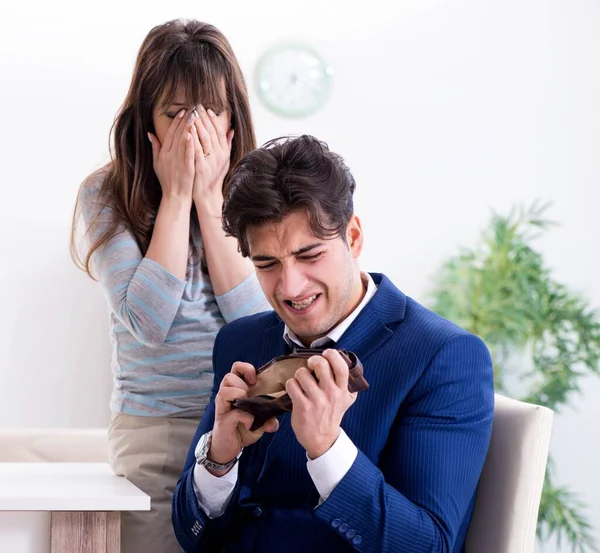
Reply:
x=311, y=283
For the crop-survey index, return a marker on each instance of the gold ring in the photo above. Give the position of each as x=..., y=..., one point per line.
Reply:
x=206, y=155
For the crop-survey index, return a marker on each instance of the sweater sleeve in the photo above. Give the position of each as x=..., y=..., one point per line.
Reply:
x=246, y=298
x=142, y=294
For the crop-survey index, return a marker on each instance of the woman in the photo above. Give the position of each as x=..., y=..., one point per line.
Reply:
x=152, y=223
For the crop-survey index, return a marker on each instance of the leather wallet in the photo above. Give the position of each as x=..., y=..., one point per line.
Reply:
x=268, y=398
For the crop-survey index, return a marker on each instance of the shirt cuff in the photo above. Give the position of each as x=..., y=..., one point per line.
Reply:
x=214, y=492
x=328, y=470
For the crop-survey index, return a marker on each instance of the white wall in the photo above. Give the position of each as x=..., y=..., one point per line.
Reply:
x=443, y=110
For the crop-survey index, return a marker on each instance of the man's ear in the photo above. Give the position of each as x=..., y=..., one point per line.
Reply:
x=354, y=236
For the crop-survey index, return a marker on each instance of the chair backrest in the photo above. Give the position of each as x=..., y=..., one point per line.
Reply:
x=67, y=445
x=510, y=488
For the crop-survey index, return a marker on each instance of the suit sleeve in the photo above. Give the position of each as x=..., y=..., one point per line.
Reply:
x=194, y=530
x=418, y=497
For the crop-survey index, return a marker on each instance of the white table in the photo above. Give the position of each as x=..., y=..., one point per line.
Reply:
x=64, y=507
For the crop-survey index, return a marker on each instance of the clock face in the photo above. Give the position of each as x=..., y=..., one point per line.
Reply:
x=293, y=80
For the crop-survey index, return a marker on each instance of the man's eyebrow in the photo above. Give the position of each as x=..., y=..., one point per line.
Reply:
x=307, y=248
x=295, y=253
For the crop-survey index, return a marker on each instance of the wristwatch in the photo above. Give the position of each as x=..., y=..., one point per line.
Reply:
x=201, y=454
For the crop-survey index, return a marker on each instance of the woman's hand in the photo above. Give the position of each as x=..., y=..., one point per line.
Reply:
x=212, y=140
x=173, y=161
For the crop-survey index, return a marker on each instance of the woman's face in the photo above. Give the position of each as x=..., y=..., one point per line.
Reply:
x=163, y=115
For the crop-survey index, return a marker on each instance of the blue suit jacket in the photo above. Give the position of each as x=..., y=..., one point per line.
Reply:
x=422, y=430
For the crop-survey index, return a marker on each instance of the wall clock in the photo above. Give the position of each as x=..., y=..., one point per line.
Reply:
x=293, y=80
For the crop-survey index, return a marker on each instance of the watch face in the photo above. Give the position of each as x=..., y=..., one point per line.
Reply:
x=293, y=80
x=202, y=447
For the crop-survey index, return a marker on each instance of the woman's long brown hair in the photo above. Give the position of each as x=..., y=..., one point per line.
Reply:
x=179, y=55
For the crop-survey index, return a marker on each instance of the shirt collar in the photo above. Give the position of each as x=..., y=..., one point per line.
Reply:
x=336, y=333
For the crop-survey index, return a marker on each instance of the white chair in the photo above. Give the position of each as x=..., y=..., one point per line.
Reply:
x=510, y=488
x=50, y=445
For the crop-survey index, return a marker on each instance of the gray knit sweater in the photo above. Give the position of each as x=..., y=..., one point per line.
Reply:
x=162, y=329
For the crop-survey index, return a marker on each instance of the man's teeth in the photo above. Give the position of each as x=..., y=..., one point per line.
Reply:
x=299, y=305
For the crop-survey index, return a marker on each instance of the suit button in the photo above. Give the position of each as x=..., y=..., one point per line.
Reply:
x=257, y=512
x=336, y=522
x=351, y=533
x=357, y=540
x=343, y=529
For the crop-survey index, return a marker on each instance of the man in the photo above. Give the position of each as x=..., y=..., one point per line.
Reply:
x=393, y=468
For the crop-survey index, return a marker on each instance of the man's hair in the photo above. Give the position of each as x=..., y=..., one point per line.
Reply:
x=288, y=175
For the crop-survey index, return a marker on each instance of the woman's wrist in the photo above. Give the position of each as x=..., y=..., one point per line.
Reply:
x=209, y=206
x=176, y=202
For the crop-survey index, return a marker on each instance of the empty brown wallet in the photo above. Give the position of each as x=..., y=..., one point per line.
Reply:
x=268, y=398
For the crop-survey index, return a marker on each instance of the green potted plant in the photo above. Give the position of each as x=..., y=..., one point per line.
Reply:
x=502, y=291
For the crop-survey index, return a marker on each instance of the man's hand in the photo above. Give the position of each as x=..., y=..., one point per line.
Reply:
x=319, y=405
x=231, y=430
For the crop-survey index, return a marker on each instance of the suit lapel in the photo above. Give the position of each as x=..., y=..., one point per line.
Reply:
x=376, y=322
x=366, y=334
x=272, y=344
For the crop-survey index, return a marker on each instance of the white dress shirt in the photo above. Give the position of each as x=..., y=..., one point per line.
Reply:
x=326, y=471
